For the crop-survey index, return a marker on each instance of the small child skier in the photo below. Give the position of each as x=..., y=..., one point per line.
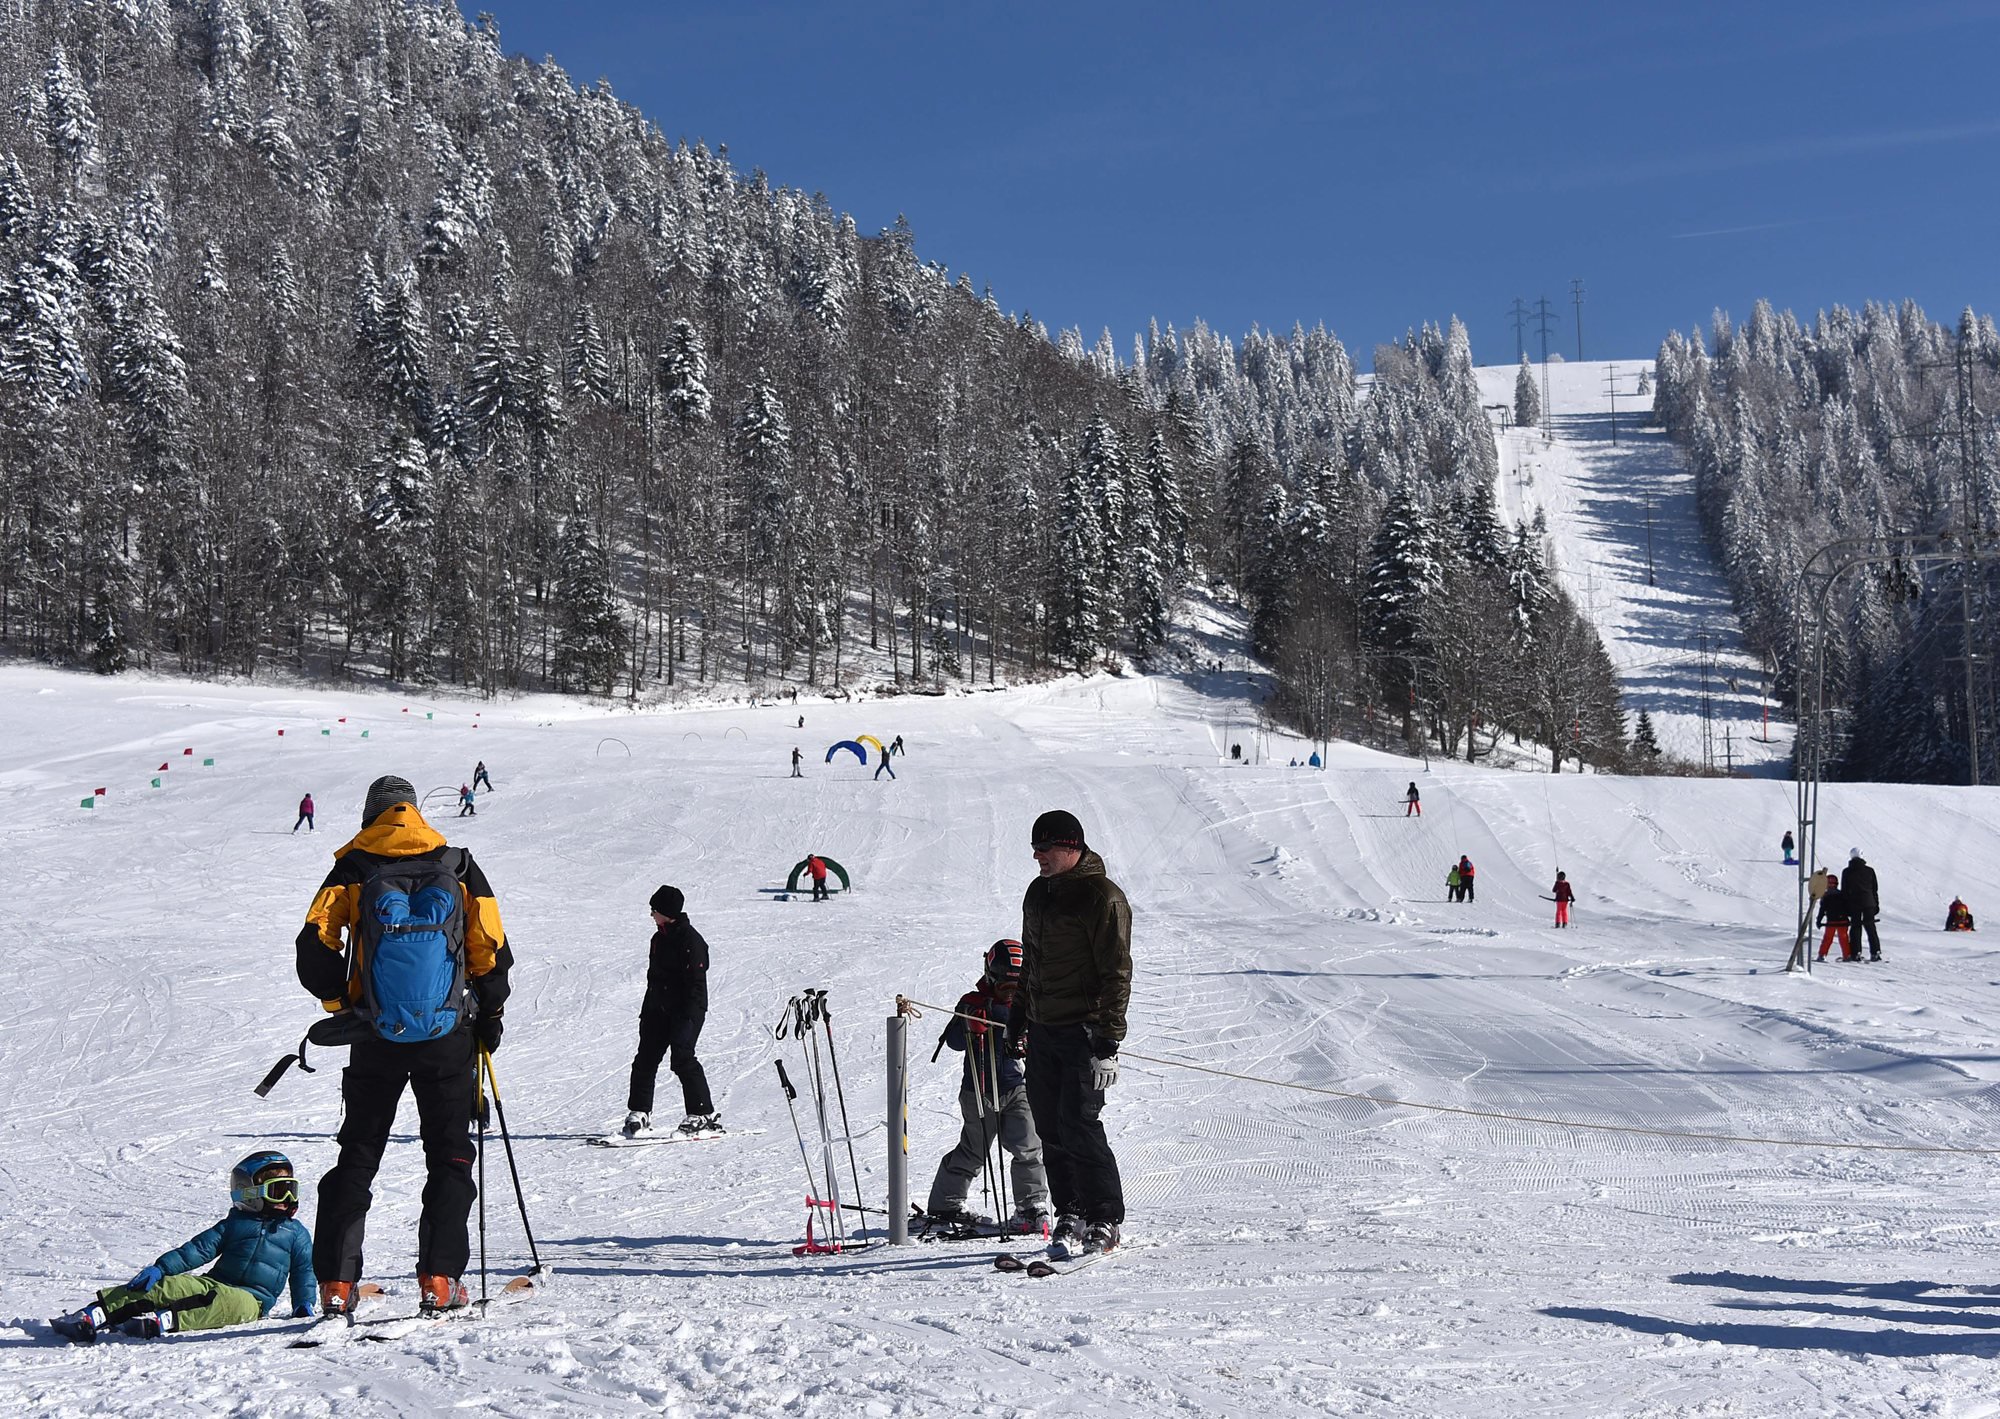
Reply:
x=468, y=804
x=256, y=1249
x=1452, y=886
x=1565, y=894
x=992, y=1099
x=1787, y=845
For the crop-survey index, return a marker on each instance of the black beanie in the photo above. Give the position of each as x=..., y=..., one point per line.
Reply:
x=668, y=901
x=1056, y=828
x=385, y=793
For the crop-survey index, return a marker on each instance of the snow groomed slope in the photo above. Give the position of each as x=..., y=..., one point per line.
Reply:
x=1290, y=1252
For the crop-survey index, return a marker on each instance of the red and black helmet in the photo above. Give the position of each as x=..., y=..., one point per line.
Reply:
x=1003, y=962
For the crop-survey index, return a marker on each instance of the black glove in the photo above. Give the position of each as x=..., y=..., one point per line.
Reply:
x=1103, y=1047
x=487, y=1029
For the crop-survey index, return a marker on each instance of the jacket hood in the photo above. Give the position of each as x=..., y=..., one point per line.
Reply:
x=1088, y=865
x=398, y=831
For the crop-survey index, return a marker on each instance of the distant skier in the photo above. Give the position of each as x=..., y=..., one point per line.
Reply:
x=480, y=778
x=1958, y=916
x=883, y=768
x=1465, y=878
x=896, y=746
x=1864, y=902
x=1076, y=947
x=1454, y=888
x=670, y=1020
x=467, y=805
x=992, y=1101
x=257, y=1248
x=816, y=869
x=802, y=721
x=1787, y=845
x=796, y=757
x=1313, y=762
x=305, y=814
x=1412, y=801
x=1564, y=895
x=1833, y=915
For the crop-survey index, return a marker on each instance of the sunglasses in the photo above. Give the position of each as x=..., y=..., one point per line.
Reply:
x=279, y=1190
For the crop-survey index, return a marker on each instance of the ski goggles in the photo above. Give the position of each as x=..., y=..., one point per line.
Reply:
x=282, y=1191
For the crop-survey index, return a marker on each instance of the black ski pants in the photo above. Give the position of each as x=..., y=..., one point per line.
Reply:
x=441, y=1075
x=1083, y=1174
x=1864, y=922
x=662, y=1034
x=820, y=893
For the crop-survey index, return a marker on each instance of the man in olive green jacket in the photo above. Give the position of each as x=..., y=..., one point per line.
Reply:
x=1076, y=948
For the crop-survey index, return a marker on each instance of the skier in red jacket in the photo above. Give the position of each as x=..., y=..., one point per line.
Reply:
x=1565, y=894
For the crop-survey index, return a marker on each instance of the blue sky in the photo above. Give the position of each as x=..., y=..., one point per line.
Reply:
x=1369, y=166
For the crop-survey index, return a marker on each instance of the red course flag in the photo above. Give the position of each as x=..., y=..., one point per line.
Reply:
x=187, y=753
x=99, y=792
x=163, y=767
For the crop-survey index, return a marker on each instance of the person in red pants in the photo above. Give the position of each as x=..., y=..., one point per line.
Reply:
x=1412, y=801
x=1565, y=894
x=1833, y=915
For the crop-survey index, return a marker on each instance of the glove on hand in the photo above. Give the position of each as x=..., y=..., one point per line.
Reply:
x=301, y=1312
x=487, y=1029
x=1103, y=1062
x=147, y=1279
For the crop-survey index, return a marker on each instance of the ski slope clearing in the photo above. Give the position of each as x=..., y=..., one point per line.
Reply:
x=1617, y=511
x=1288, y=1252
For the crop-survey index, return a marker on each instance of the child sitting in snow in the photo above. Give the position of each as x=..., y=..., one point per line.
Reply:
x=256, y=1249
x=1958, y=916
x=992, y=1099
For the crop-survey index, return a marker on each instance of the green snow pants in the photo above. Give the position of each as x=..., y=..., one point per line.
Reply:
x=198, y=1303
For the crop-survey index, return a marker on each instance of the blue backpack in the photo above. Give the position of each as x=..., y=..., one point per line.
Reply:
x=411, y=932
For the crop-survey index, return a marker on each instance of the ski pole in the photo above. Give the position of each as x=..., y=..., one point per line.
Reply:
x=809, y=1045
x=833, y=1057
x=507, y=1142
x=999, y=1124
x=989, y=1190
x=791, y=1094
x=479, y=1112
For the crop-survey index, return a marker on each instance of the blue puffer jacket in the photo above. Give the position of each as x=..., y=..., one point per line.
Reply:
x=257, y=1254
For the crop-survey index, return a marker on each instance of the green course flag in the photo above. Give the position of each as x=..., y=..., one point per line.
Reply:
x=90, y=802
x=208, y=763
x=156, y=783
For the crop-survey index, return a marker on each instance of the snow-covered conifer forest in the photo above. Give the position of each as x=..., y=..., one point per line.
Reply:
x=1858, y=426
x=336, y=342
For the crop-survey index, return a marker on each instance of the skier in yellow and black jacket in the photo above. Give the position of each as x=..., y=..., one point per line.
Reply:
x=441, y=1072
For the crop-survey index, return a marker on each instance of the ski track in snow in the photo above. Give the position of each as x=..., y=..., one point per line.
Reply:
x=1289, y=1253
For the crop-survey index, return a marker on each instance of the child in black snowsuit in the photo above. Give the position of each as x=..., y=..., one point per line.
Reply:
x=670, y=1020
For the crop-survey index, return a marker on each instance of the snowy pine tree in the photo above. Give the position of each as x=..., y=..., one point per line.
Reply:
x=1527, y=396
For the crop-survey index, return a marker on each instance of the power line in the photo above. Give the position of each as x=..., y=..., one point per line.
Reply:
x=1520, y=330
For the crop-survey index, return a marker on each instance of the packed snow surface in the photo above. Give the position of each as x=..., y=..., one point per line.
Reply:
x=1619, y=502
x=1288, y=1252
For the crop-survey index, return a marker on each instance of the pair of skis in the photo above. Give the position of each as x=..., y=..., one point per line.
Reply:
x=1059, y=1261
x=346, y=1328
x=669, y=1135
